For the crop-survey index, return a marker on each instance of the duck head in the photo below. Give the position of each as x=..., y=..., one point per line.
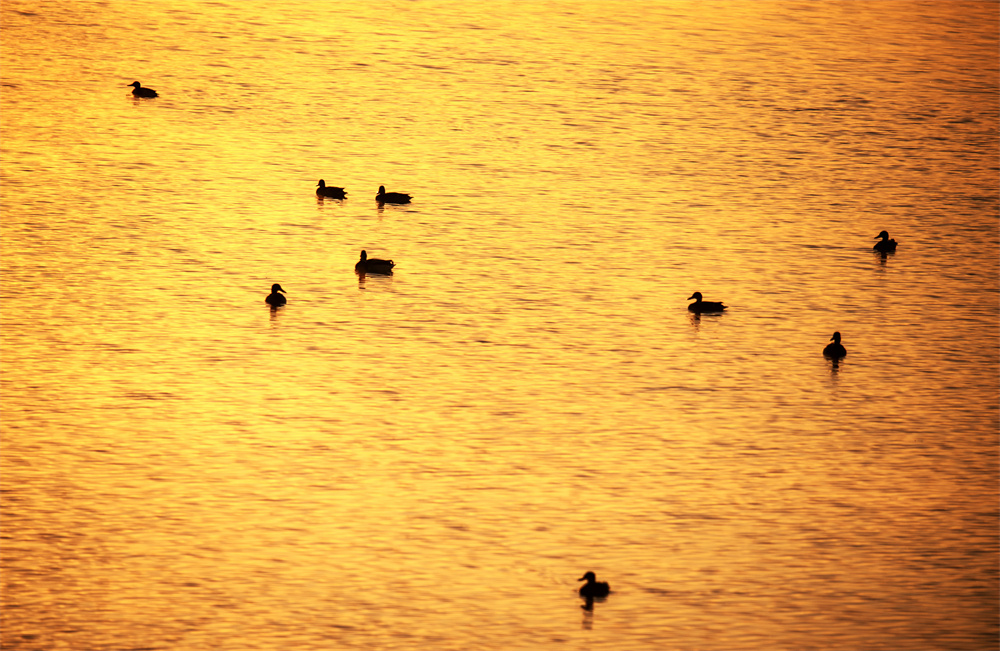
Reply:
x=589, y=577
x=364, y=255
x=696, y=296
x=883, y=235
x=835, y=338
x=381, y=189
x=275, y=288
x=135, y=83
x=321, y=184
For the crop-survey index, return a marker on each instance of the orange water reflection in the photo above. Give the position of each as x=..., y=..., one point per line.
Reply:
x=430, y=462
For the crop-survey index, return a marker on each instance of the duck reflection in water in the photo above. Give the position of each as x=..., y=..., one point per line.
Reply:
x=274, y=299
x=592, y=590
x=373, y=265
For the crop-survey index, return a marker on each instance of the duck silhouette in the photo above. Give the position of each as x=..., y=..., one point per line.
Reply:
x=332, y=192
x=593, y=588
x=139, y=91
x=886, y=245
x=835, y=350
x=274, y=299
x=700, y=306
x=373, y=265
x=391, y=197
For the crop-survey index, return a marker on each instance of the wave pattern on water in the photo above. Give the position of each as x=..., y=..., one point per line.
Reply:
x=430, y=459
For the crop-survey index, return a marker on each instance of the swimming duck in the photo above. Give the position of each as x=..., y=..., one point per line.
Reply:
x=373, y=265
x=835, y=350
x=886, y=245
x=391, y=197
x=700, y=306
x=332, y=192
x=593, y=588
x=274, y=299
x=139, y=91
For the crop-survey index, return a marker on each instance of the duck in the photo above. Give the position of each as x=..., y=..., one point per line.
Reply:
x=391, y=197
x=835, y=350
x=274, y=299
x=886, y=245
x=593, y=588
x=332, y=192
x=700, y=306
x=139, y=91
x=373, y=265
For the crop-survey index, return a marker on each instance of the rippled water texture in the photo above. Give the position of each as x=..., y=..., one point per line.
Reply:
x=429, y=460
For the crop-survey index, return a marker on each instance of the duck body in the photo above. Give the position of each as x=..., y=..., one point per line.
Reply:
x=373, y=265
x=274, y=299
x=323, y=190
x=700, y=306
x=886, y=245
x=391, y=197
x=835, y=350
x=593, y=588
x=139, y=91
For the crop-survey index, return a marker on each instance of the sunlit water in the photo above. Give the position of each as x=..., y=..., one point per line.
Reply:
x=430, y=460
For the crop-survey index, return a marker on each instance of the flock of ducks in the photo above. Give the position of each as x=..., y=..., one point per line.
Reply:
x=276, y=298
x=592, y=589
x=328, y=191
x=834, y=350
x=365, y=265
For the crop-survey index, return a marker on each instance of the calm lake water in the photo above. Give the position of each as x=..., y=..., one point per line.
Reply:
x=429, y=460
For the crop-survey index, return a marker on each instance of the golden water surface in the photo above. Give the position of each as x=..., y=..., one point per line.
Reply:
x=429, y=460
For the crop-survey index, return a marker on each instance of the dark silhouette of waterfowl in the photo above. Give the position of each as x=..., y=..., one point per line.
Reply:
x=835, y=350
x=886, y=245
x=373, y=265
x=391, y=197
x=593, y=588
x=331, y=191
x=700, y=306
x=274, y=299
x=139, y=91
